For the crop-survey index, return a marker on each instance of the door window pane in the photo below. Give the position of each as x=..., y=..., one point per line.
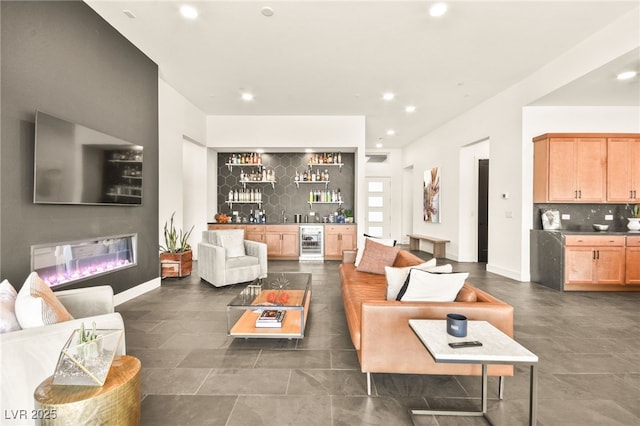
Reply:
x=376, y=217
x=375, y=231
x=376, y=202
x=376, y=186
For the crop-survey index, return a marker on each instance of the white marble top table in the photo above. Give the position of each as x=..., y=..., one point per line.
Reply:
x=496, y=347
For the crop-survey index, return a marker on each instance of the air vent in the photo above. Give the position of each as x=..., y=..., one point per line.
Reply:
x=376, y=158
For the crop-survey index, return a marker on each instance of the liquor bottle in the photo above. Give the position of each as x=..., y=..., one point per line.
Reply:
x=311, y=196
x=339, y=158
x=230, y=195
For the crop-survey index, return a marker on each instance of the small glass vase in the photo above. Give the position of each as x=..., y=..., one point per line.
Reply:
x=633, y=224
x=87, y=364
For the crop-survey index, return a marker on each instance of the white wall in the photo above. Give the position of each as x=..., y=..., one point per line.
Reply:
x=500, y=119
x=194, y=175
x=290, y=134
x=180, y=126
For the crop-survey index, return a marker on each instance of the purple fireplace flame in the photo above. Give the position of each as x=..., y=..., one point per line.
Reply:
x=64, y=263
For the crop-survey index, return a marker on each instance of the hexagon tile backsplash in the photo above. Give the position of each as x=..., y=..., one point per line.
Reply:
x=284, y=194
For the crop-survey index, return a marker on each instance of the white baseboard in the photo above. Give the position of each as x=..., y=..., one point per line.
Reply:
x=136, y=291
x=514, y=275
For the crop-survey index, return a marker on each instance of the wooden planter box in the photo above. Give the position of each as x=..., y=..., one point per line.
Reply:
x=175, y=264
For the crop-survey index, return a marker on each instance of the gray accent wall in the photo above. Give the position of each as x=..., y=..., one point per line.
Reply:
x=285, y=195
x=62, y=58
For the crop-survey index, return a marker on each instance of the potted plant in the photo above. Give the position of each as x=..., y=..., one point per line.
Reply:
x=349, y=215
x=175, y=254
x=634, y=219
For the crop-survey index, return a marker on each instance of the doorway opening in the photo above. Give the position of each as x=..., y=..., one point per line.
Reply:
x=483, y=210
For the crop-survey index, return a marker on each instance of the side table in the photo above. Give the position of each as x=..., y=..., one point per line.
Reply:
x=497, y=348
x=115, y=403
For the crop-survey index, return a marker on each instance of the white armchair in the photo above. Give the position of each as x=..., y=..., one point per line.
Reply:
x=225, y=257
x=29, y=356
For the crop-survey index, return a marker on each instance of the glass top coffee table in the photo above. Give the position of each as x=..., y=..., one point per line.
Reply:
x=286, y=291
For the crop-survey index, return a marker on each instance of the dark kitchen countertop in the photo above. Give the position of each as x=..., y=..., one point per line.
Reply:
x=588, y=232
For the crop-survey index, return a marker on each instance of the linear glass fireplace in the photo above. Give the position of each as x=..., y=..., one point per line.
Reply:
x=64, y=263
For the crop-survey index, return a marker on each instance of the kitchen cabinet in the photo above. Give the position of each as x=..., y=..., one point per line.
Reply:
x=338, y=238
x=593, y=260
x=633, y=260
x=569, y=168
x=255, y=233
x=623, y=170
x=282, y=241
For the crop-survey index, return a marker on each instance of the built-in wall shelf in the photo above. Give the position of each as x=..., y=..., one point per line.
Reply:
x=245, y=182
x=327, y=165
x=230, y=166
x=304, y=182
x=231, y=203
x=323, y=202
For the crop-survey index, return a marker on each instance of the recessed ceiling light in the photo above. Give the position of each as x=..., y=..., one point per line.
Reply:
x=410, y=108
x=308, y=150
x=388, y=96
x=246, y=96
x=188, y=12
x=626, y=75
x=391, y=132
x=129, y=13
x=267, y=11
x=438, y=9
x=379, y=145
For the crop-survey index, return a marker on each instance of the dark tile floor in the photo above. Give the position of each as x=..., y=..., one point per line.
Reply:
x=194, y=374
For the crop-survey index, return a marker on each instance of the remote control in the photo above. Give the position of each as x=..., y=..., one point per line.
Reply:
x=465, y=344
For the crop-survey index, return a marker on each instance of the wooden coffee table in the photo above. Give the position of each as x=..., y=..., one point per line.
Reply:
x=497, y=348
x=244, y=309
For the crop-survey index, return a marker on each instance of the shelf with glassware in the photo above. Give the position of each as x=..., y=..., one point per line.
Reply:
x=325, y=196
x=311, y=176
x=326, y=159
x=244, y=196
x=247, y=159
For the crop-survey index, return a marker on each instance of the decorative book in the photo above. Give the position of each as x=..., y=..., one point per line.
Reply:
x=270, y=318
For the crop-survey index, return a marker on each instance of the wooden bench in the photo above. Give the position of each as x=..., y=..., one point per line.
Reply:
x=439, y=245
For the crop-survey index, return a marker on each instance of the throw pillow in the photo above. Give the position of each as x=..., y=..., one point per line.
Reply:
x=423, y=286
x=376, y=256
x=233, y=242
x=397, y=276
x=8, y=320
x=386, y=241
x=37, y=305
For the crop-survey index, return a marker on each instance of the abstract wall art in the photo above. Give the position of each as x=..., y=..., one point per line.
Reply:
x=431, y=193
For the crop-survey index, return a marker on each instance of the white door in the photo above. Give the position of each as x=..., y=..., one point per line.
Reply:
x=378, y=212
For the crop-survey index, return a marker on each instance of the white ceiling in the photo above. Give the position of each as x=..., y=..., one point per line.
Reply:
x=339, y=57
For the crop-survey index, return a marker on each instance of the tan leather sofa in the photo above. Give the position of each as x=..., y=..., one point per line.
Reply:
x=380, y=331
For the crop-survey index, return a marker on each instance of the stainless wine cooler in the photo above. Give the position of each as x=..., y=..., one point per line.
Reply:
x=312, y=242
